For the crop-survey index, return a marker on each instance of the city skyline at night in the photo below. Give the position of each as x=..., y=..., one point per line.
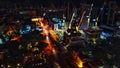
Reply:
x=59, y=34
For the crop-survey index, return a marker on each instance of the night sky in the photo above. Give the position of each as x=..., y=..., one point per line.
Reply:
x=59, y=3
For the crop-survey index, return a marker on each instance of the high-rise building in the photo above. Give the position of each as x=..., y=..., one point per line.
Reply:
x=111, y=13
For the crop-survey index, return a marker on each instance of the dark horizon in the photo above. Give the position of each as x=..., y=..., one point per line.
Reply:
x=57, y=3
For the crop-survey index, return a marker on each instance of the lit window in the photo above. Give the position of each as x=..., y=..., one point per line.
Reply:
x=1, y=41
x=69, y=33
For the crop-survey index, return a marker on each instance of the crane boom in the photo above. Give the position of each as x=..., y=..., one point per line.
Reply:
x=71, y=20
x=79, y=25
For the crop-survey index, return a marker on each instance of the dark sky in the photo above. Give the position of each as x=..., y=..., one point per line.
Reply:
x=60, y=2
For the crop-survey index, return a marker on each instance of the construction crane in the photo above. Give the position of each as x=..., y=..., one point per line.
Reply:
x=89, y=16
x=81, y=20
x=81, y=23
x=71, y=20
